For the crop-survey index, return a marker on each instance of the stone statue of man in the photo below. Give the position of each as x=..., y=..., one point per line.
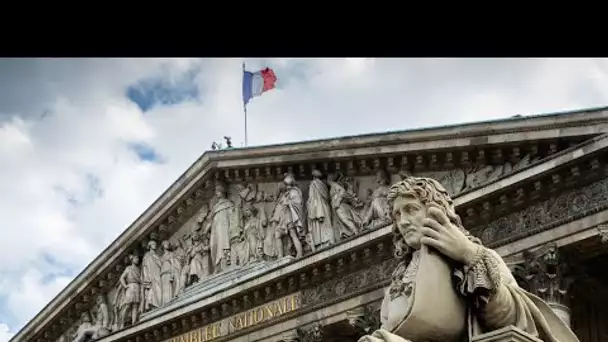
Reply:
x=170, y=273
x=319, y=213
x=288, y=217
x=151, y=277
x=423, y=214
x=128, y=295
x=222, y=226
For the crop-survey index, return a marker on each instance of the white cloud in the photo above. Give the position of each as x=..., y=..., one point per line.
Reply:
x=5, y=333
x=69, y=184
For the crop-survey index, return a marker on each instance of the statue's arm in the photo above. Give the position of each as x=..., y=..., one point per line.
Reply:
x=487, y=282
x=123, y=279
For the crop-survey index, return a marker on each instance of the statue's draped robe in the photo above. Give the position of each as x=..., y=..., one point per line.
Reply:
x=379, y=208
x=131, y=294
x=289, y=213
x=508, y=304
x=343, y=212
x=199, y=264
x=102, y=321
x=222, y=222
x=319, y=214
x=170, y=276
x=254, y=236
x=151, y=265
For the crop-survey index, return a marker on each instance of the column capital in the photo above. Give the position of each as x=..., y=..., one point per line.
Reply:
x=545, y=272
x=365, y=319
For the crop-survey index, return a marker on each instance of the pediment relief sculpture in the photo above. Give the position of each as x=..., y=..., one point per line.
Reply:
x=447, y=285
x=250, y=222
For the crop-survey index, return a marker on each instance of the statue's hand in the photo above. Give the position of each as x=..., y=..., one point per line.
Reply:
x=446, y=237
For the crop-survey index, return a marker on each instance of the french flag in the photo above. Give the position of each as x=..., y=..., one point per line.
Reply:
x=257, y=83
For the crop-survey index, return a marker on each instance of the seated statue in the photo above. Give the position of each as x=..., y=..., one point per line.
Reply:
x=463, y=289
x=85, y=330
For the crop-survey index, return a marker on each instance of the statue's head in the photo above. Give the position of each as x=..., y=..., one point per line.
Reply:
x=85, y=317
x=289, y=179
x=134, y=259
x=100, y=300
x=152, y=245
x=410, y=200
x=249, y=210
x=220, y=190
x=382, y=178
x=166, y=245
x=316, y=174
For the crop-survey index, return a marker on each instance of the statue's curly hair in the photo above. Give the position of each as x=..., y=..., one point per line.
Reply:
x=431, y=194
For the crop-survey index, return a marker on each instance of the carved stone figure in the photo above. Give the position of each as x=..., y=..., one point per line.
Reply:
x=180, y=249
x=253, y=233
x=199, y=258
x=222, y=227
x=319, y=213
x=378, y=213
x=85, y=330
x=102, y=318
x=170, y=273
x=128, y=294
x=345, y=218
x=428, y=232
x=151, y=270
x=88, y=331
x=288, y=217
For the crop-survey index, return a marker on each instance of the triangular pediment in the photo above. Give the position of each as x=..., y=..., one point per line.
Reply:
x=474, y=162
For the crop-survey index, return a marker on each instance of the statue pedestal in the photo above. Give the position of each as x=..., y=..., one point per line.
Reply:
x=507, y=334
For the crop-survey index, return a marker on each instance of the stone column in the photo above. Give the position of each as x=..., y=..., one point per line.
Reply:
x=545, y=273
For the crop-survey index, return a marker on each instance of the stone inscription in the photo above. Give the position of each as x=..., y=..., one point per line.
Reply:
x=242, y=320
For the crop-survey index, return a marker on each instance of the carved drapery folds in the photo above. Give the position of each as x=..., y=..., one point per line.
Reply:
x=545, y=272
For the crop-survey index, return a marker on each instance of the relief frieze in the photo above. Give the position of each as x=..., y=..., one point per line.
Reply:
x=565, y=207
x=373, y=276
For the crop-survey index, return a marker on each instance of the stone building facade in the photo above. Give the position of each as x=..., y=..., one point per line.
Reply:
x=293, y=242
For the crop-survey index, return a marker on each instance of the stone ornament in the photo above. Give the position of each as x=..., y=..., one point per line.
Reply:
x=460, y=289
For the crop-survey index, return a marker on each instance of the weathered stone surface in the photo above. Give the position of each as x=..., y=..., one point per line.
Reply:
x=507, y=334
x=184, y=212
x=567, y=206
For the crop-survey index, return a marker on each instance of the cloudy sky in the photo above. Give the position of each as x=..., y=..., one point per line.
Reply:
x=86, y=145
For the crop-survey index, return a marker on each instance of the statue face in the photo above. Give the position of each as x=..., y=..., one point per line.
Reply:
x=408, y=215
x=135, y=260
x=220, y=192
x=152, y=245
x=166, y=244
x=247, y=213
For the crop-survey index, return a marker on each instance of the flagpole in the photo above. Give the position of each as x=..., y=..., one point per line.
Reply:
x=245, y=109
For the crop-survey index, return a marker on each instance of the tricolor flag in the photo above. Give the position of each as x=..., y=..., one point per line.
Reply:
x=257, y=83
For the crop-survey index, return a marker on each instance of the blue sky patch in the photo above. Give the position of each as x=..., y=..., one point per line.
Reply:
x=152, y=92
x=146, y=152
